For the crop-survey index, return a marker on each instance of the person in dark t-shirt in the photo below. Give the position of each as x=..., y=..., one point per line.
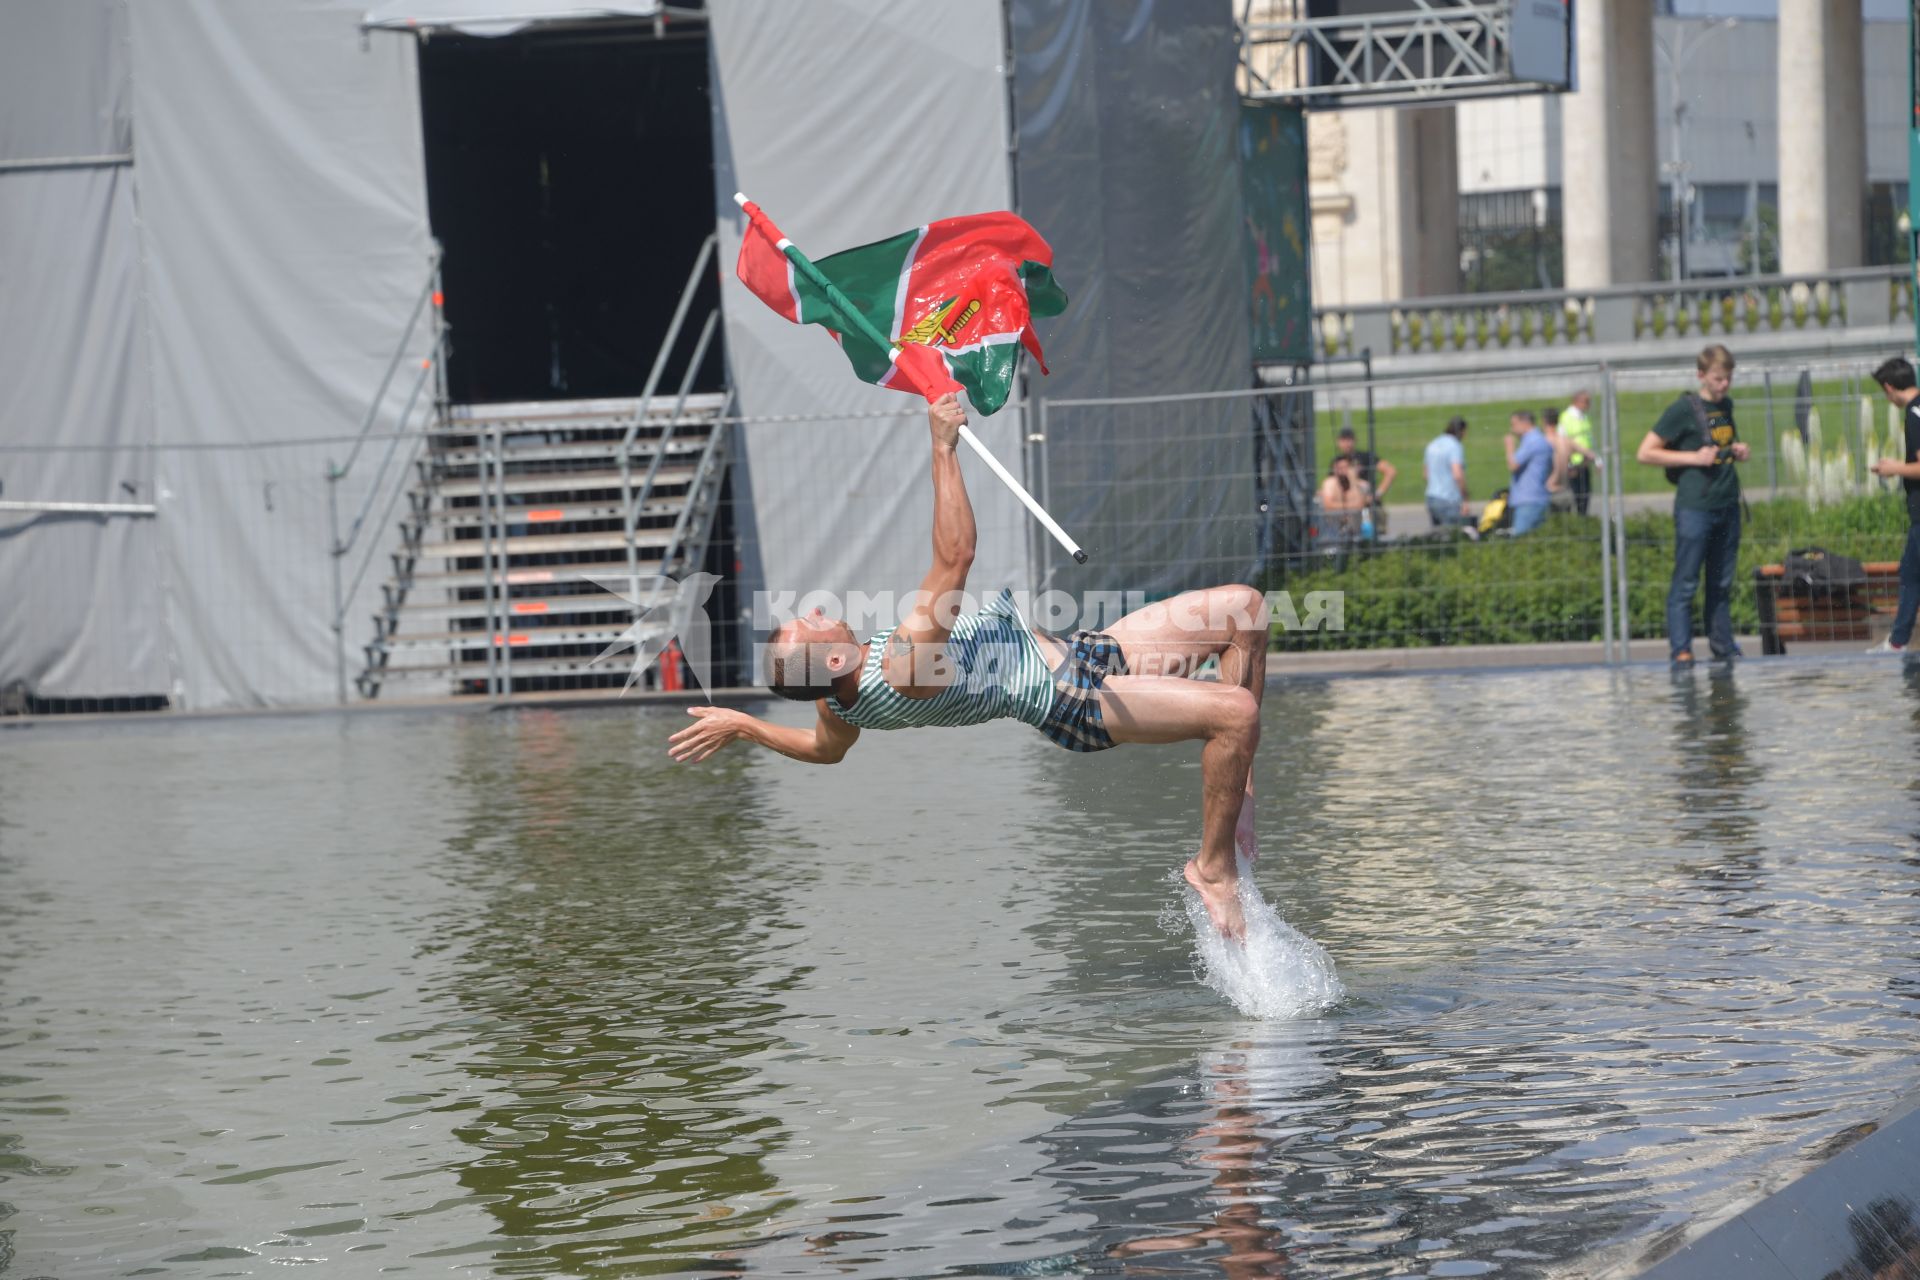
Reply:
x=1698, y=444
x=1897, y=384
x=1374, y=470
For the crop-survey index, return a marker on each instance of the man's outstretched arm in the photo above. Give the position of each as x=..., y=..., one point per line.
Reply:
x=912, y=661
x=826, y=743
x=954, y=537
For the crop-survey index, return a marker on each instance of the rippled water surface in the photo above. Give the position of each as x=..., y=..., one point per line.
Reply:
x=515, y=995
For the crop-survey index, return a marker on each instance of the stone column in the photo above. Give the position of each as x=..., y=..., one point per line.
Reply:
x=1823, y=136
x=1609, y=203
x=1428, y=139
x=1385, y=190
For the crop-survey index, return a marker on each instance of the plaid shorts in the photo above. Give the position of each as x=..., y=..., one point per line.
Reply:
x=1074, y=721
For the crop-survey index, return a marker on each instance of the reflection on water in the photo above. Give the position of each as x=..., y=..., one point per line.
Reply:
x=604, y=1018
x=1255, y=1097
x=516, y=995
x=1324, y=1148
x=1717, y=797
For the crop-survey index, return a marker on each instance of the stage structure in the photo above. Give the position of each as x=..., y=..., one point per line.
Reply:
x=1321, y=55
x=1376, y=53
x=428, y=309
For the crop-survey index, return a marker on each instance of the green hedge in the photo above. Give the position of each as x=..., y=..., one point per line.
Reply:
x=1547, y=585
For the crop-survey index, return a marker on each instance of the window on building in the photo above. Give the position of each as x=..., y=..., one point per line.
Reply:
x=1719, y=217
x=1721, y=209
x=1762, y=241
x=1888, y=229
x=1734, y=229
x=1510, y=240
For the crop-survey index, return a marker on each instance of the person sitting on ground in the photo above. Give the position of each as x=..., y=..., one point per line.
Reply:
x=1344, y=502
x=945, y=668
x=1369, y=468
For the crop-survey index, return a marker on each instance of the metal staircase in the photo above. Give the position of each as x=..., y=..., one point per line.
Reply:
x=519, y=512
x=516, y=509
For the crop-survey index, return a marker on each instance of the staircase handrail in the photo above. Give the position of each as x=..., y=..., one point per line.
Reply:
x=679, y=415
x=338, y=548
x=720, y=428
x=673, y=337
x=343, y=601
x=431, y=291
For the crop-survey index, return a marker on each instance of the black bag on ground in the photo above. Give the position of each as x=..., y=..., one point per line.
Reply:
x=1821, y=572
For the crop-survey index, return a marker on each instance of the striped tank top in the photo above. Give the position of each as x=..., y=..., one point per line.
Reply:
x=998, y=673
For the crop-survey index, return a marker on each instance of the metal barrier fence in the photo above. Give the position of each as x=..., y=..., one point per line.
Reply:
x=1178, y=492
x=137, y=608
x=1599, y=575
x=1713, y=310
x=223, y=576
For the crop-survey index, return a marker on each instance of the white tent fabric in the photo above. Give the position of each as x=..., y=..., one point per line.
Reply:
x=81, y=593
x=1127, y=116
x=497, y=17
x=841, y=150
x=82, y=599
x=218, y=211
x=63, y=69
x=239, y=283
x=281, y=179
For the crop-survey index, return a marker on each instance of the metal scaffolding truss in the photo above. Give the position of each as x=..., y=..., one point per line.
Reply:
x=1433, y=51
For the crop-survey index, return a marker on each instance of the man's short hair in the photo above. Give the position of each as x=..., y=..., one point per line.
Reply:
x=1714, y=357
x=1550, y=416
x=1895, y=375
x=1456, y=427
x=1346, y=433
x=1523, y=415
x=797, y=670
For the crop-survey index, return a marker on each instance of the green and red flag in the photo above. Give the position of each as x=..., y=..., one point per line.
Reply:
x=964, y=290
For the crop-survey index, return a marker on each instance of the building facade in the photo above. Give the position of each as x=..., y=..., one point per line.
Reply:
x=1677, y=123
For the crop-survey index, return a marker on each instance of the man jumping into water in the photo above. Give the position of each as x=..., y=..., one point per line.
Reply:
x=1098, y=689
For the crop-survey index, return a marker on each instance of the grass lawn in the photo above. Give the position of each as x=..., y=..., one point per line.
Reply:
x=1402, y=433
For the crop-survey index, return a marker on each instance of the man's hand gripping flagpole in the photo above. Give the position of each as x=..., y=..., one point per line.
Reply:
x=760, y=224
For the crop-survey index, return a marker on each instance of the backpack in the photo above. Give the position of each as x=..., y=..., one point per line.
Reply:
x=1497, y=514
x=1820, y=572
x=1706, y=436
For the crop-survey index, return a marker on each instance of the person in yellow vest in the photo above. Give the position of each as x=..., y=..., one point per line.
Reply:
x=1577, y=430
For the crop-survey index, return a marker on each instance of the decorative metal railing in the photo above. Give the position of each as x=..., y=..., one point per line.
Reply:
x=1573, y=319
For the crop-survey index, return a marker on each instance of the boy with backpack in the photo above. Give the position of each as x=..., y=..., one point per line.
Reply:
x=1697, y=442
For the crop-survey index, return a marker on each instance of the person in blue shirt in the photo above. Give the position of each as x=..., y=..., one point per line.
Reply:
x=1530, y=460
x=1446, y=466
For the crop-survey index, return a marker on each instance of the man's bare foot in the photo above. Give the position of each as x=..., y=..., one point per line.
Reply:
x=1244, y=838
x=1222, y=899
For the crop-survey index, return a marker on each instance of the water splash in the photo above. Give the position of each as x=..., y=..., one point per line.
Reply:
x=1277, y=973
